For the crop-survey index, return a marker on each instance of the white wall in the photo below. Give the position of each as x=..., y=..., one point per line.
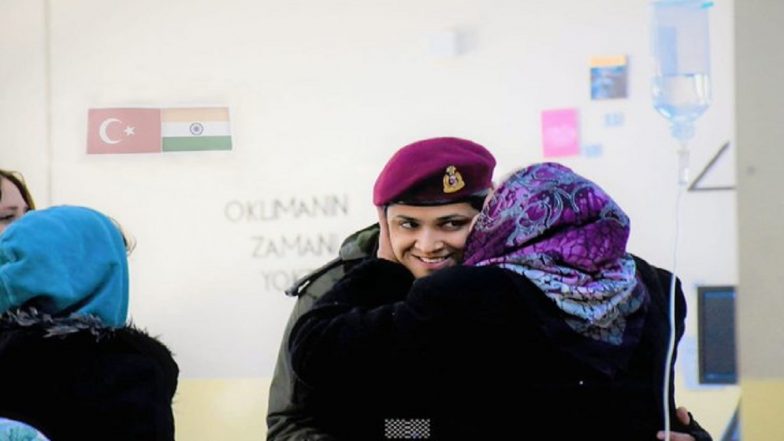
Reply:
x=759, y=68
x=320, y=94
x=23, y=97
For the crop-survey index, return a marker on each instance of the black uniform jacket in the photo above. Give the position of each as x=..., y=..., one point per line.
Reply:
x=78, y=380
x=462, y=354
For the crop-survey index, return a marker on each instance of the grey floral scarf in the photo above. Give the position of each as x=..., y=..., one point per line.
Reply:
x=568, y=236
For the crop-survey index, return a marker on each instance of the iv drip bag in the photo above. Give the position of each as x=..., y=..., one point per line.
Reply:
x=681, y=53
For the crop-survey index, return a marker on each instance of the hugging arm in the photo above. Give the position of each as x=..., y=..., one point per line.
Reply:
x=351, y=328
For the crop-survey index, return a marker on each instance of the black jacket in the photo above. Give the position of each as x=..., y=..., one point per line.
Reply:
x=77, y=380
x=287, y=417
x=447, y=353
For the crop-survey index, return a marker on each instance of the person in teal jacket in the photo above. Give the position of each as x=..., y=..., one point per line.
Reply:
x=70, y=363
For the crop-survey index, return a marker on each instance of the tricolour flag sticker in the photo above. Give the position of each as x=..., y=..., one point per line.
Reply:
x=135, y=130
x=127, y=130
x=189, y=129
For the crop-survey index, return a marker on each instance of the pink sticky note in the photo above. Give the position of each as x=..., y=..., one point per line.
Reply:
x=126, y=130
x=560, y=133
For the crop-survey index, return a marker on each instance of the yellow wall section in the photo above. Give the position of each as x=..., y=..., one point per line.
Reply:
x=712, y=407
x=762, y=410
x=208, y=410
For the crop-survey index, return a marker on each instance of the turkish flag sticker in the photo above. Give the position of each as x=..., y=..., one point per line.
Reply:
x=129, y=130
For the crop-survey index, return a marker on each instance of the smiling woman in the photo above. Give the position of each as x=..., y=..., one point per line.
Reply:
x=426, y=239
x=15, y=199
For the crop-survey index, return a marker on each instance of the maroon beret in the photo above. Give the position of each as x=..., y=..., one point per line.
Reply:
x=435, y=171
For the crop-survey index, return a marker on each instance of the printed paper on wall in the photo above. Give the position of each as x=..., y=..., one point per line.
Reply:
x=609, y=77
x=560, y=133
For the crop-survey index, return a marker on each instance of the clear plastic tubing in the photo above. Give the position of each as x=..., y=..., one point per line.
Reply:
x=681, y=93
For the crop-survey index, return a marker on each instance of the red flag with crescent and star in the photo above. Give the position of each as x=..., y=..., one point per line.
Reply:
x=125, y=130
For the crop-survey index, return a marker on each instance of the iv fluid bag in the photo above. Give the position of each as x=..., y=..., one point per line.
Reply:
x=681, y=83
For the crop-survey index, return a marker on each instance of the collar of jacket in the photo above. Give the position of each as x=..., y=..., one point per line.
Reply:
x=31, y=318
x=359, y=245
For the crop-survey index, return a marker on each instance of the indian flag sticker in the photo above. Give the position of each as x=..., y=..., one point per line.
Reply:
x=195, y=129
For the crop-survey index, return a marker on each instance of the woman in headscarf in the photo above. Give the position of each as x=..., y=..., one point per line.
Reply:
x=549, y=313
x=70, y=365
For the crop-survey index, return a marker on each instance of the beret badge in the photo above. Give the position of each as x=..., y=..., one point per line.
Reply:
x=453, y=180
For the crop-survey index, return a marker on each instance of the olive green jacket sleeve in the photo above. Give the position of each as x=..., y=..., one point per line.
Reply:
x=287, y=415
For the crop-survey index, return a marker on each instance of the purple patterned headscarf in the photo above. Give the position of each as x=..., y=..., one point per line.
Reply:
x=568, y=237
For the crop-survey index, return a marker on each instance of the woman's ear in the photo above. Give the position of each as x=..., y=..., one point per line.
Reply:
x=488, y=197
x=384, y=243
x=473, y=221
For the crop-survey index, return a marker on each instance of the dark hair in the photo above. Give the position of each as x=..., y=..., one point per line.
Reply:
x=476, y=201
x=17, y=179
x=128, y=239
